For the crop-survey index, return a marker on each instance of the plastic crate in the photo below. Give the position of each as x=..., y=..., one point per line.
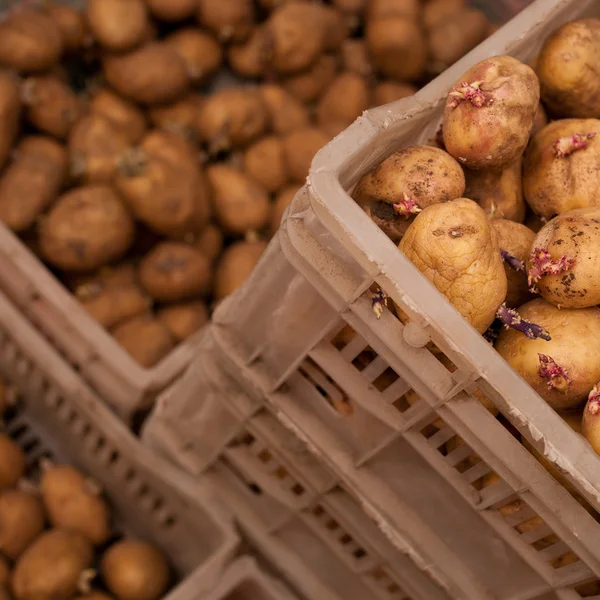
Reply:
x=58, y=417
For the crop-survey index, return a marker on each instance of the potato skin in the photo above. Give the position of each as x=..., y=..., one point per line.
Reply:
x=495, y=134
x=12, y=462
x=575, y=346
x=390, y=91
x=345, y=100
x=87, y=227
x=178, y=117
x=235, y=266
x=118, y=25
x=566, y=66
x=229, y=20
x=250, y=57
x=32, y=181
x=152, y=74
x=22, y=520
x=71, y=25
x=264, y=162
x=454, y=246
x=184, y=319
x=554, y=185
x=200, y=52
x=285, y=112
x=10, y=111
x=29, y=41
x=172, y=11
x=517, y=240
x=300, y=147
x=310, y=84
x=575, y=234
x=209, y=241
x=122, y=114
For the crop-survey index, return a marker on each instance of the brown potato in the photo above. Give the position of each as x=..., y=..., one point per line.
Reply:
x=152, y=74
x=297, y=36
x=454, y=245
x=50, y=569
x=73, y=502
x=355, y=58
x=487, y=122
x=4, y=576
x=437, y=11
x=390, y=91
x=250, y=58
x=240, y=204
x=135, y=570
x=172, y=11
x=300, y=147
x=179, y=117
x=94, y=595
x=164, y=187
x=562, y=167
x=229, y=20
x=183, y=320
x=498, y=192
x=337, y=27
x=235, y=266
x=310, y=84
x=174, y=271
x=352, y=7
x=95, y=146
x=121, y=114
x=199, y=50
x=22, y=520
x=264, y=162
x=380, y=9
x=282, y=201
x=10, y=112
x=51, y=105
x=285, y=112
x=210, y=242
x=397, y=47
x=231, y=118
x=87, y=227
x=29, y=41
x=566, y=69
x=145, y=339
x=31, y=181
x=12, y=462
x=71, y=25
x=517, y=240
x=118, y=25
x=345, y=100
x=421, y=174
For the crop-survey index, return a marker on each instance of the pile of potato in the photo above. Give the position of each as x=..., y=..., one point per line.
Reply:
x=148, y=148
x=56, y=536
x=503, y=215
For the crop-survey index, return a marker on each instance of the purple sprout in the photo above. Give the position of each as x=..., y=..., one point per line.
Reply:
x=512, y=261
x=511, y=319
x=542, y=264
x=565, y=146
x=556, y=376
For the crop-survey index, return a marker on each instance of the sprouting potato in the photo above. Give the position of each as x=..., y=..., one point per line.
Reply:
x=490, y=111
x=145, y=339
x=172, y=10
x=454, y=245
x=235, y=266
x=118, y=25
x=229, y=20
x=10, y=111
x=22, y=519
x=286, y=113
x=390, y=91
x=121, y=114
x=311, y=83
x=264, y=161
x=300, y=147
x=31, y=181
x=71, y=25
x=183, y=319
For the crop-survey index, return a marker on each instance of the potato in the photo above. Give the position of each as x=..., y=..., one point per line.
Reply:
x=71, y=25
x=438, y=11
x=178, y=117
x=135, y=570
x=516, y=240
x=31, y=181
x=235, y=266
x=174, y=271
x=200, y=52
x=397, y=47
x=285, y=112
x=164, y=187
x=454, y=245
x=152, y=74
x=94, y=596
x=4, y=576
x=29, y=41
x=120, y=113
x=240, y=204
x=231, y=118
x=562, y=167
x=10, y=112
x=352, y=7
x=419, y=174
x=95, y=146
x=172, y=11
x=310, y=84
x=51, y=105
x=86, y=285
x=145, y=339
x=87, y=227
x=540, y=121
x=22, y=520
x=498, y=191
x=337, y=28
x=282, y=201
x=355, y=58
x=563, y=370
x=229, y=20
x=264, y=162
x=390, y=91
x=118, y=25
x=209, y=241
x=590, y=421
x=566, y=69
x=250, y=58
x=487, y=122
x=50, y=569
x=73, y=502
x=12, y=462
x=379, y=9
x=563, y=262
x=454, y=36
x=345, y=100
x=184, y=319
x=298, y=36
x=300, y=147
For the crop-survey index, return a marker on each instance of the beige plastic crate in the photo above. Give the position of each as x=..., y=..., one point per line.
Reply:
x=58, y=417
